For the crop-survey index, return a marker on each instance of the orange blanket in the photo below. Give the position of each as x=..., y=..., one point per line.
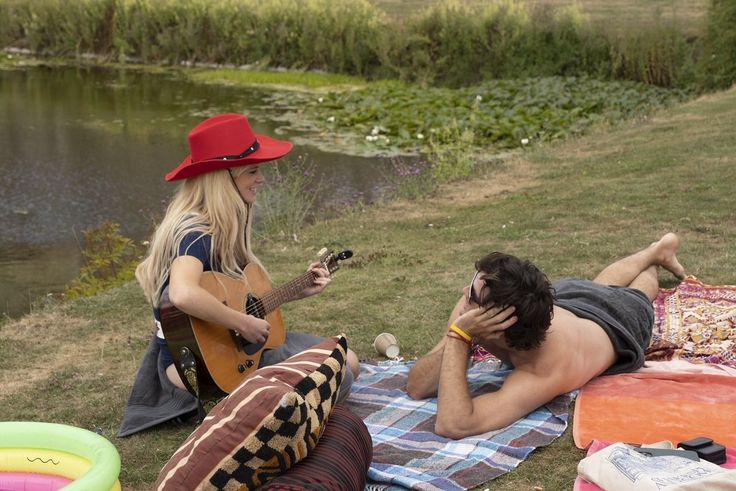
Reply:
x=650, y=407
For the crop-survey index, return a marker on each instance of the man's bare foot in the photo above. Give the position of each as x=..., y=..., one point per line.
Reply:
x=667, y=249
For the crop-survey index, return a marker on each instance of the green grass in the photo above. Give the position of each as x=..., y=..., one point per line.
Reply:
x=571, y=207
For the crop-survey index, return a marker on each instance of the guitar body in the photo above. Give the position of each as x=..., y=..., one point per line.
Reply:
x=223, y=359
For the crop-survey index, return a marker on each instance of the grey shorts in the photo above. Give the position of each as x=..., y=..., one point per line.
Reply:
x=625, y=314
x=295, y=343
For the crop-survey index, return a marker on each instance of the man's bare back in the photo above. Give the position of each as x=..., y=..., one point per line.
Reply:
x=565, y=357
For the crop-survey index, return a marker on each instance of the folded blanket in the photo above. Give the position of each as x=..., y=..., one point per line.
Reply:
x=583, y=485
x=621, y=467
x=153, y=399
x=408, y=454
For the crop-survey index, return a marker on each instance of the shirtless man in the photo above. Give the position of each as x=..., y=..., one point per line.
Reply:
x=557, y=337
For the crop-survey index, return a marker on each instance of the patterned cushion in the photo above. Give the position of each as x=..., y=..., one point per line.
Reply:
x=339, y=462
x=265, y=426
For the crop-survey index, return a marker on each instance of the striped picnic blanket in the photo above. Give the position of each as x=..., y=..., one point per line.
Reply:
x=408, y=454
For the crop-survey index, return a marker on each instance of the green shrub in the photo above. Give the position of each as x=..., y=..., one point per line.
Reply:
x=717, y=65
x=452, y=153
x=109, y=259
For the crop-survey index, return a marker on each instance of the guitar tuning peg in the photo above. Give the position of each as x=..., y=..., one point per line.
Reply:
x=346, y=254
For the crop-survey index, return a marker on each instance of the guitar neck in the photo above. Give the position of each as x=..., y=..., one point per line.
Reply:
x=286, y=292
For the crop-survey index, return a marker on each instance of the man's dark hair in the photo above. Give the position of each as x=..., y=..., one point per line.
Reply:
x=513, y=281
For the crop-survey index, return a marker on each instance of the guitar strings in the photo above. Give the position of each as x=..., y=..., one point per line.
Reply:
x=255, y=308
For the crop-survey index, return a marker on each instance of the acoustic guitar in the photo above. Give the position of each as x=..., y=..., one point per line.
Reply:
x=213, y=360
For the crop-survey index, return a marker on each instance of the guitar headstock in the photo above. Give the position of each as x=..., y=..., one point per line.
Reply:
x=330, y=260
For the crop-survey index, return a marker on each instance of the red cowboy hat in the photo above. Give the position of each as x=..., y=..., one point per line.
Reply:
x=223, y=141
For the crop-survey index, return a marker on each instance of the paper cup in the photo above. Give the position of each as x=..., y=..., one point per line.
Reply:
x=386, y=345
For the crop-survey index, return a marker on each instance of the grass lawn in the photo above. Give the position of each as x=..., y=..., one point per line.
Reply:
x=570, y=207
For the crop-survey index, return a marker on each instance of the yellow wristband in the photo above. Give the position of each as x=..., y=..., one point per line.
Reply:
x=462, y=333
x=454, y=335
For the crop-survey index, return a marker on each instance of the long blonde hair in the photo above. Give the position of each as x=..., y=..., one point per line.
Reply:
x=210, y=204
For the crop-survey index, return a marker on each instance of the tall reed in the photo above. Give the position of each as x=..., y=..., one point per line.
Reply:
x=656, y=56
x=450, y=43
x=59, y=27
x=454, y=44
x=717, y=68
x=305, y=34
x=288, y=200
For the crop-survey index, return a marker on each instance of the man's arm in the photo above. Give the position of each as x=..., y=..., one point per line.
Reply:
x=459, y=415
x=424, y=376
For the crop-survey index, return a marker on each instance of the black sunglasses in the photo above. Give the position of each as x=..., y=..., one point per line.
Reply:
x=472, y=297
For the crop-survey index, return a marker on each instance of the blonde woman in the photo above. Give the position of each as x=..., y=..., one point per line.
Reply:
x=207, y=227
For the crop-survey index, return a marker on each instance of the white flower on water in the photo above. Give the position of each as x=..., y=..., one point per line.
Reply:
x=375, y=130
x=331, y=119
x=371, y=138
x=321, y=100
x=420, y=136
x=525, y=141
x=478, y=98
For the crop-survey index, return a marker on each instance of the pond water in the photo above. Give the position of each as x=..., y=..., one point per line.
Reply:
x=83, y=145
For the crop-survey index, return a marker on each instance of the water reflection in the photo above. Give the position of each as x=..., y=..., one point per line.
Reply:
x=82, y=145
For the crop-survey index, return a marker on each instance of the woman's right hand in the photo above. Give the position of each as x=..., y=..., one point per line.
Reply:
x=253, y=329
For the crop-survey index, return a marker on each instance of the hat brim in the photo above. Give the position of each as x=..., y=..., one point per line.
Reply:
x=269, y=149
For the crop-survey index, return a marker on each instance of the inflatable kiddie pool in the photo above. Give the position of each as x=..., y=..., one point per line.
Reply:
x=49, y=456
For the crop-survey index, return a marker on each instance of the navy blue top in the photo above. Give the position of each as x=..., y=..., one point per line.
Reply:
x=195, y=244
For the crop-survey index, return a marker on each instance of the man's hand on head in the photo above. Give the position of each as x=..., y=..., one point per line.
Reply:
x=487, y=325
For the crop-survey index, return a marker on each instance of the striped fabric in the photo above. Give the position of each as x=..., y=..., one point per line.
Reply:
x=264, y=427
x=338, y=463
x=408, y=454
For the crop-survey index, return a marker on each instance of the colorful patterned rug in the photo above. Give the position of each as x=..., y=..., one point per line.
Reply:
x=695, y=322
x=408, y=454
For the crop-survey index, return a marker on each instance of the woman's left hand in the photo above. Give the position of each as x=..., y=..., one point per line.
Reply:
x=321, y=280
